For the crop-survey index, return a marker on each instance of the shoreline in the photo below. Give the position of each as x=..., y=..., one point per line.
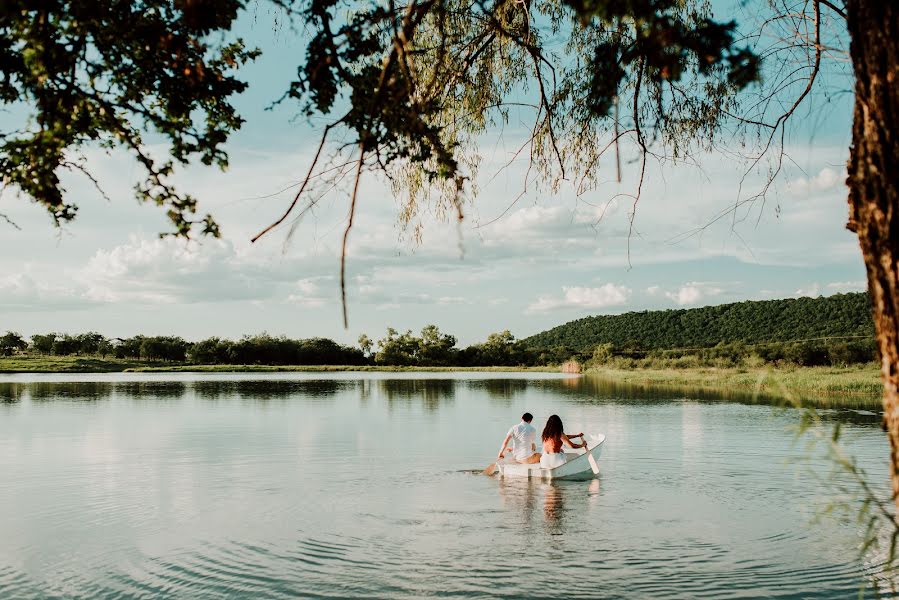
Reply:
x=70, y=364
x=826, y=385
x=831, y=386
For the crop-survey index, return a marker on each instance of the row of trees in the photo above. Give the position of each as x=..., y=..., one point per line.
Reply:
x=139, y=347
x=431, y=348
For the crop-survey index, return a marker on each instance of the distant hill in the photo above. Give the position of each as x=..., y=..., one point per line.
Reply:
x=752, y=321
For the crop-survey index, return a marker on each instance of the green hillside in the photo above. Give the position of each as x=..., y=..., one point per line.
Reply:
x=748, y=322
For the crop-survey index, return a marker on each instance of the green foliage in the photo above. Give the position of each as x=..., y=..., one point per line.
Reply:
x=749, y=322
x=667, y=40
x=412, y=85
x=602, y=354
x=365, y=344
x=433, y=348
x=168, y=348
x=744, y=335
x=812, y=353
x=43, y=344
x=84, y=73
x=264, y=349
x=11, y=342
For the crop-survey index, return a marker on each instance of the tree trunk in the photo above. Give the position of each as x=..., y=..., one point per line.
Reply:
x=873, y=180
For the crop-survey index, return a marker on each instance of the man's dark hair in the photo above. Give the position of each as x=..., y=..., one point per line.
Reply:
x=527, y=417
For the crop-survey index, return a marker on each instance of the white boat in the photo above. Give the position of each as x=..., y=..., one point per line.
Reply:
x=582, y=465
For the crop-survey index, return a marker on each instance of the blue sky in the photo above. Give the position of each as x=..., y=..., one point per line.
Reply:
x=548, y=260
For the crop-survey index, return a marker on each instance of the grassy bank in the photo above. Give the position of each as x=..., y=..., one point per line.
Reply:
x=74, y=364
x=64, y=364
x=326, y=369
x=829, y=384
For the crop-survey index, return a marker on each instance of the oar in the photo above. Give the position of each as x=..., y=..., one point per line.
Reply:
x=491, y=467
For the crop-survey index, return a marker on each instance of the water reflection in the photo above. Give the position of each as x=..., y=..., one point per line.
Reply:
x=269, y=390
x=555, y=505
x=598, y=387
x=219, y=494
x=500, y=389
x=11, y=393
x=431, y=392
x=554, y=509
x=143, y=390
x=82, y=391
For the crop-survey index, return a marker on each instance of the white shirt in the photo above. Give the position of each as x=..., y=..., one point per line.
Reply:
x=523, y=436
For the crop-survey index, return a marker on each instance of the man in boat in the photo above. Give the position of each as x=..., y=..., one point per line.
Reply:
x=523, y=439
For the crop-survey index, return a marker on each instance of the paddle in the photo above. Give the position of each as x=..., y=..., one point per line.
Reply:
x=491, y=467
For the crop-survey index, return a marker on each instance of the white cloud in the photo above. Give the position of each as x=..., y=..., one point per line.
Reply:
x=693, y=292
x=826, y=179
x=24, y=292
x=170, y=271
x=812, y=291
x=847, y=286
x=307, y=292
x=603, y=296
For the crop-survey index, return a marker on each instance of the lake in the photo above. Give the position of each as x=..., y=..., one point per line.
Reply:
x=351, y=485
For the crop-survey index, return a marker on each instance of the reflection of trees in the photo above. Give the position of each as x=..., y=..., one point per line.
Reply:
x=82, y=391
x=146, y=390
x=432, y=392
x=268, y=389
x=10, y=393
x=499, y=389
x=593, y=388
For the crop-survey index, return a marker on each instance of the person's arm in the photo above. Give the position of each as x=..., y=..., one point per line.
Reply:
x=580, y=435
x=505, y=443
x=572, y=444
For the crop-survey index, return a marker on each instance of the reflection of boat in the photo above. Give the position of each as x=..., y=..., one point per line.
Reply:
x=578, y=466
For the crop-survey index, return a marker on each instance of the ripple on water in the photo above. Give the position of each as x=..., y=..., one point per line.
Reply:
x=355, y=491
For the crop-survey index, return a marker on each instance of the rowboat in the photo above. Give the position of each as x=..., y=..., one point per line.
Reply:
x=582, y=465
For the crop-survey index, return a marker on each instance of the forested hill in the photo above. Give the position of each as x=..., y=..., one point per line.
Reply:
x=748, y=322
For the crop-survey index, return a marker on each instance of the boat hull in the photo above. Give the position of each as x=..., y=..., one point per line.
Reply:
x=578, y=466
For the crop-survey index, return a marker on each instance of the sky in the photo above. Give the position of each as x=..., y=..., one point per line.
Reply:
x=548, y=259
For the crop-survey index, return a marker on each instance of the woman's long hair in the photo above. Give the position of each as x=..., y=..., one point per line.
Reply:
x=553, y=429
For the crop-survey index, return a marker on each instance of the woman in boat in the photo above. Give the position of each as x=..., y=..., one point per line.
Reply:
x=553, y=438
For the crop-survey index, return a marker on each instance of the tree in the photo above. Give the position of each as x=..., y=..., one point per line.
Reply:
x=874, y=188
x=90, y=343
x=43, y=344
x=435, y=348
x=11, y=342
x=98, y=73
x=365, y=344
x=397, y=349
x=65, y=345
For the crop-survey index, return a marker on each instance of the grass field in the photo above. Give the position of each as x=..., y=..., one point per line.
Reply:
x=64, y=364
x=74, y=364
x=857, y=385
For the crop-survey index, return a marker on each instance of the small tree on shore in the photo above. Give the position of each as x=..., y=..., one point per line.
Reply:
x=11, y=342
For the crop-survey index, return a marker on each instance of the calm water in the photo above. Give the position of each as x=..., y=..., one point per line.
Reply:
x=361, y=485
